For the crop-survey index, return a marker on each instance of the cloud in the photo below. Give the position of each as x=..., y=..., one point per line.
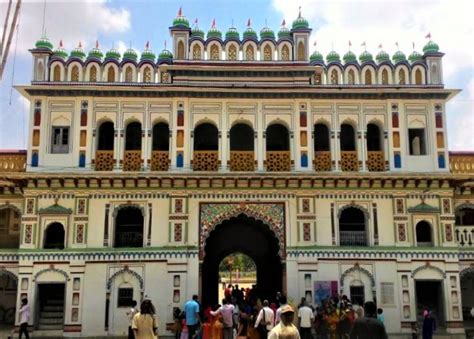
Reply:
x=69, y=20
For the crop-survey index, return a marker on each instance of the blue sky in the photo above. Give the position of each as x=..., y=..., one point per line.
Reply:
x=334, y=23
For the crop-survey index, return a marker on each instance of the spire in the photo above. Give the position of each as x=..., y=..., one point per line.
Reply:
x=147, y=45
x=213, y=23
x=249, y=23
x=180, y=12
x=299, y=14
x=79, y=45
x=61, y=43
x=365, y=46
x=283, y=23
x=97, y=44
x=350, y=44
x=428, y=36
x=396, y=44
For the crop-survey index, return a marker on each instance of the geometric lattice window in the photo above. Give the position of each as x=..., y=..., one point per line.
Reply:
x=125, y=297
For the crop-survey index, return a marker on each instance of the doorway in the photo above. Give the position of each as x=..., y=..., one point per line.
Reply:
x=237, y=276
x=50, y=306
x=429, y=295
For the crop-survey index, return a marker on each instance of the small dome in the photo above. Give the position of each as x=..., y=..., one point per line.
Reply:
x=382, y=56
x=214, y=32
x=399, y=56
x=431, y=47
x=148, y=54
x=44, y=43
x=300, y=23
x=365, y=57
x=316, y=57
x=180, y=20
x=95, y=52
x=78, y=52
x=349, y=57
x=60, y=52
x=249, y=33
x=197, y=32
x=284, y=33
x=165, y=55
x=113, y=54
x=232, y=33
x=267, y=33
x=130, y=54
x=415, y=56
x=333, y=57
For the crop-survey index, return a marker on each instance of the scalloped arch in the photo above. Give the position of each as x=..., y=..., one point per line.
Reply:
x=463, y=273
x=8, y=206
x=357, y=269
x=8, y=273
x=428, y=267
x=123, y=271
x=464, y=205
x=52, y=269
x=122, y=206
x=359, y=207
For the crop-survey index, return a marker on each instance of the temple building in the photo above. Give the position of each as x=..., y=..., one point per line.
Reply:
x=143, y=171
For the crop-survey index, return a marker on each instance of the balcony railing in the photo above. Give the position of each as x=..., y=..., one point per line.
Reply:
x=12, y=161
x=465, y=235
x=132, y=161
x=242, y=161
x=278, y=161
x=349, y=161
x=353, y=238
x=322, y=161
x=375, y=161
x=461, y=162
x=104, y=160
x=129, y=239
x=205, y=161
x=160, y=161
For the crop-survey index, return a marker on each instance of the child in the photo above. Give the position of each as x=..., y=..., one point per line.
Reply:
x=380, y=315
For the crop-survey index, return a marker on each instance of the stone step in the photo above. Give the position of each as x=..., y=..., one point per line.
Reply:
x=54, y=302
x=54, y=314
x=51, y=321
x=49, y=327
x=53, y=308
x=48, y=334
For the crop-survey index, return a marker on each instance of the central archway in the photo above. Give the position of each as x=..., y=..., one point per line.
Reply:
x=248, y=236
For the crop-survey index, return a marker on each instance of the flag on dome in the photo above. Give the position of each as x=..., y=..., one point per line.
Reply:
x=283, y=23
x=97, y=44
x=147, y=45
x=428, y=36
x=213, y=23
x=380, y=46
x=249, y=23
x=180, y=11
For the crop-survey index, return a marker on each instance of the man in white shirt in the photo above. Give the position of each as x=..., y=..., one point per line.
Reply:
x=130, y=314
x=285, y=328
x=227, y=311
x=283, y=302
x=265, y=319
x=305, y=320
x=24, y=318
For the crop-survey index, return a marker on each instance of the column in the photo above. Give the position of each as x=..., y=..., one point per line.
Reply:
x=362, y=148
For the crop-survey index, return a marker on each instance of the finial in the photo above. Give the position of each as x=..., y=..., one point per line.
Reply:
x=413, y=44
x=428, y=36
x=165, y=44
x=61, y=43
x=213, y=23
x=350, y=44
x=332, y=46
x=97, y=44
x=79, y=45
x=365, y=46
x=249, y=23
x=147, y=45
x=299, y=14
x=196, y=22
x=283, y=23
x=396, y=44
x=315, y=43
x=380, y=46
x=232, y=22
x=266, y=25
x=180, y=12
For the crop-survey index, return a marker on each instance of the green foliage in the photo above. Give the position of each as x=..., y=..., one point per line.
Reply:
x=238, y=261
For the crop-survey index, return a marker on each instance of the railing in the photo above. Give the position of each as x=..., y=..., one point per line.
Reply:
x=104, y=160
x=461, y=162
x=349, y=161
x=205, y=161
x=375, y=161
x=160, y=161
x=242, y=161
x=352, y=238
x=278, y=161
x=465, y=235
x=132, y=161
x=322, y=161
x=128, y=239
x=12, y=161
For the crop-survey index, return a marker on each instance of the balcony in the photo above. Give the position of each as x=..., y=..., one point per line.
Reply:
x=132, y=161
x=242, y=161
x=352, y=238
x=129, y=239
x=12, y=161
x=349, y=161
x=465, y=236
x=205, y=161
x=160, y=161
x=104, y=160
x=375, y=161
x=322, y=161
x=461, y=162
x=278, y=161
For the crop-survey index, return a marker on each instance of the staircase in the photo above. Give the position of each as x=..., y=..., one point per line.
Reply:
x=52, y=314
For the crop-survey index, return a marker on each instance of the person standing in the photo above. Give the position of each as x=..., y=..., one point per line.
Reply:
x=429, y=326
x=305, y=320
x=24, y=318
x=380, y=315
x=130, y=314
x=265, y=319
x=283, y=303
x=368, y=326
x=226, y=310
x=144, y=322
x=285, y=328
x=191, y=308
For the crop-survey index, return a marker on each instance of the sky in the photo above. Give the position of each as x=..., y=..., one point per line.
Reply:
x=127, y=23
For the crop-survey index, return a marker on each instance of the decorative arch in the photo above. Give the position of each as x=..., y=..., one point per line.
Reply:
x=10, y=206
x=232, y=51
x=463, y=273
x=52, y=269
x=427, y=266
x=267, y=51
x=180, y=54
x=123, y=271
x=197, y=49
x=402, y=75
x=354, y=205
x=242, y=121
x=469, y=205
x=4, y=271
x=301, y=51
x=368, y=75
x=122, y=206
x=57, y=71
x=214, y=51
x=357, y=268
x=351, y=75
x=284, y=51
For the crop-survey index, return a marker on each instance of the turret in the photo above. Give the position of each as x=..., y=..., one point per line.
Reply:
x=300, y=32
x=41, y=54
x=433, y=59
x=180, y=32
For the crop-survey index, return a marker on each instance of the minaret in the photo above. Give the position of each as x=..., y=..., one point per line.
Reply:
x=41, y=54
x=300, y=32
x=180, y=35
x=433, y=58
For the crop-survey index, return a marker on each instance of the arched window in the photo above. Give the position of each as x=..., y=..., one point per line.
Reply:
x=133, y=136
x=334, y=77
x=106, y=136
x=423, y=234
x=75, y=73
x=384, y=77
x=267, y=53
x=277, y=138
x=285, y=53
x=232, y=52
x=368, y=77
x=321, y=138
x=147, y=75
x=57, y=73
x=128, y=74
x=40, y=71
x=197, y=52
x=352, y=227
x=10, y=221
x=351, y=77
x=180, y=50
x=129, y=227
x=205, y=137
x=434, y=74
x=401, y=77
x=249, y=53
x=347, y=138
x=418, y=77
x=111, y=74
x=318, y=77
x=93, y=74
x=215, y=52
x=301, y=51
x=241, y=138
x=373, y=138
x=465, y=216
x=161, y=137
x=54, y=236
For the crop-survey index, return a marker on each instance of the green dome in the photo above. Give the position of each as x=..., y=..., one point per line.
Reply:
x=180, y=20
x=95, y=53
x=333, y=57
x=382, y=56
x=148, y=54
x=365, y=57
x=267, y=33
x=349, y=57
x=399, y=56
x=249, y=33
x=316, y=57
x=130, y=54
x=44, y=43
x=60, y=52
x=431, y=47
x=78, y=52
x=113, y=54
x=165, y=54
x=415, y=56
x=300, y=23
x=197, y=32
x=214, y=32
x=232, y=33
x=284, y=33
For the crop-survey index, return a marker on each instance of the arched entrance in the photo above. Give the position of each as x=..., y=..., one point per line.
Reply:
x=8, y=290
x=248, y=236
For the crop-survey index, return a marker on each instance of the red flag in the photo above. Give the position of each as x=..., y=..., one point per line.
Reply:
x=80, y=45
x=350, y=43
x=213, y=23
x=396, y=44
x=380, y=46
x=180, y=11
x=314, y=44
x=428, y=36
x=249, y=23
x=196, y=21
x=363, y=44
x=283, y=23
x=147, y=45
x=97, y=44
